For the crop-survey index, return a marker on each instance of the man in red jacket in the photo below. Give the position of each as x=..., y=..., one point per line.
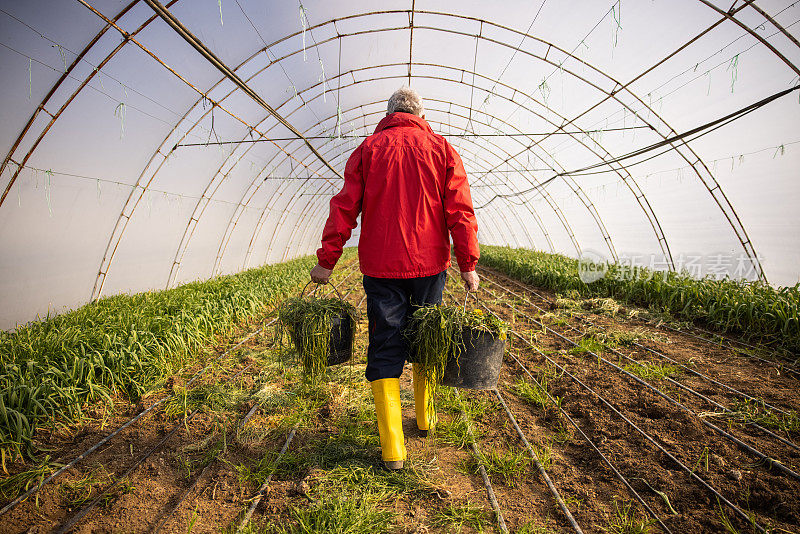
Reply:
x=411, y=189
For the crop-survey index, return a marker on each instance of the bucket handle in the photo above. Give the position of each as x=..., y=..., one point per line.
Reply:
x=314, y=292
x=467, y=297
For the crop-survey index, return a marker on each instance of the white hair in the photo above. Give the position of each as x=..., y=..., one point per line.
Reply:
x=406, y=100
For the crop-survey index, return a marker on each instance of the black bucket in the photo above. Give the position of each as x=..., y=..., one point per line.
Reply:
x=341, y=342
x=478, y=365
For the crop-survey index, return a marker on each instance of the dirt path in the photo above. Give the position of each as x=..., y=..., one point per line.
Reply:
x=203, y=476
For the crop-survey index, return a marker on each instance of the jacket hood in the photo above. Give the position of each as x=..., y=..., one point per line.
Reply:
x=399, y=118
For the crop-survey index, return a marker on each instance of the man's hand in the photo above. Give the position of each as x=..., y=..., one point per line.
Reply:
x=470, y=280
x=320, y=274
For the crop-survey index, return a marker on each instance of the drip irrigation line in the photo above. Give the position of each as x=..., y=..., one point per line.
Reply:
x=501, y=523
x=656, y=352
x=588, y=440
x=789, y=366
x=69, y=524
x=195, y=43
x=594, y=447
x=770, y=462
x=256, y=499
x=700, y=130
x=199, y=477
x=649, y=438
x=106, y=439
x=539, y=466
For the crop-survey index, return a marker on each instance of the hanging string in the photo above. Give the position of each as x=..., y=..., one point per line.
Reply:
x=304, y=24
x=733, y=66
x=219, y=2
x=119, y=111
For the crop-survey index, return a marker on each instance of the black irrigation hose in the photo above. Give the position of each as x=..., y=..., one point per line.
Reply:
x=644, y=434
x=262, y=490
x=788, y=366
x=674, y=382
x=82, y=456
x=593, y=446
x=501, y=523
x=539, y=466
x=198, y=478
x=771, y=462
x=657, y=353
x=174, y=508
x=585, y=437
x=135, y=418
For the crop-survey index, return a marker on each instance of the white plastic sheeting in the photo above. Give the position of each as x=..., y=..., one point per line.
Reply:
x=101, y=198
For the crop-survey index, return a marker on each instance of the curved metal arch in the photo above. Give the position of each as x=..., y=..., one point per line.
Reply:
x=639, y=195
x=718, y=189
x=64, y=76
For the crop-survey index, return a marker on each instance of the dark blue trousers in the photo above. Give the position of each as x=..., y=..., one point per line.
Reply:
x=390, y=303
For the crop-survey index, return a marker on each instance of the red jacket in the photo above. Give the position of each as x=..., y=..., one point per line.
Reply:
x=411, y=186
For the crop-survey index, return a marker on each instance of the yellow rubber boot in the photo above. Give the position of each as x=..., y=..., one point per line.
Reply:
x=390, y=421
x=426, y=413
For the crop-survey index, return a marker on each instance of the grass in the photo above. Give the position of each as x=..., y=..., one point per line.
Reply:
x=52, y=370
x=650, y=370
x=454, y=517
x=219, y=397
x=752, y=411
x=13, y=485
x=508, y=466
x=626, y=521
x=757, y=311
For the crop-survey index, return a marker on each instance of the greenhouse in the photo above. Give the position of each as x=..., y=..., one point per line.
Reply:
x=629, y=172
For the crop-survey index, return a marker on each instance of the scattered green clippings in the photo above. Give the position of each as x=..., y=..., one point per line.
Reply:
x=753, y=411
x=455, y=517
x=509, y=466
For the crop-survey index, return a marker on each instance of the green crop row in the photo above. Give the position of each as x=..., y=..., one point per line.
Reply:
x=755, y=310
x=52, y=370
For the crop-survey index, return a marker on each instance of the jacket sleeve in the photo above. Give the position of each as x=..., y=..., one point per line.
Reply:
x=459, y=214
x=345, y=207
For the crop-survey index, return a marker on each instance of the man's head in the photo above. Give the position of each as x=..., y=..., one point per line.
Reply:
x=406, y=100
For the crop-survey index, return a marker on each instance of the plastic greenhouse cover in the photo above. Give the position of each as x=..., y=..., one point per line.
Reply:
x=100, y=195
